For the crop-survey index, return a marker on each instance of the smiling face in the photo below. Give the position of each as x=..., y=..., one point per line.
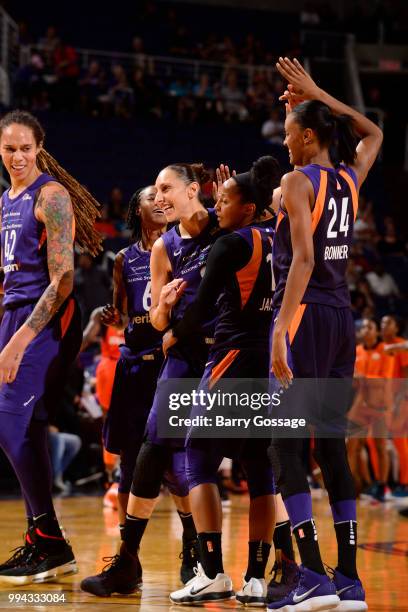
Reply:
x=173, y=196
x=18, y=150
x=294, y=140
x=151, y=215
x=230, y=210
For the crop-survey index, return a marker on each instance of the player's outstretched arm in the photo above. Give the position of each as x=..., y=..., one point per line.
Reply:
x=370, y=134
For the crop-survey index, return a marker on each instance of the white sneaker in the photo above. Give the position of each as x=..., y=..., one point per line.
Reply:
x=201, y=589
x=253, y=593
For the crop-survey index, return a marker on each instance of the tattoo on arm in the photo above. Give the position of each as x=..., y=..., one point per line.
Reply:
x=54, y=208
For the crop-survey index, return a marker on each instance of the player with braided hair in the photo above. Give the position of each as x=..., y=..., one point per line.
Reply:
x=40, y=333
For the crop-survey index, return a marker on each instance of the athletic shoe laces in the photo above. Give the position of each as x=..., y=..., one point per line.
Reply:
x=111, y=563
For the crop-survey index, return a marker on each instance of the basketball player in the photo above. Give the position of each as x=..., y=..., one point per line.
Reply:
x=369, y=409
x=40, y=333
x=110, y=338
x=390, y=327
x=180, y=252
x=313, y=330
x=238, y=281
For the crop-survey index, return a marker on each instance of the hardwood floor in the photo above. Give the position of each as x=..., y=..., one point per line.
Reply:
x=93, y=532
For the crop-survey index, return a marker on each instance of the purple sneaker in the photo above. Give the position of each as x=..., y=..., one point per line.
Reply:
x=351, y=594
x=314, y=592
x=285, y=577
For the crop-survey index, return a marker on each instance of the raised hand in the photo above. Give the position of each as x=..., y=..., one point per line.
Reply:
x=302, y=83
x=222, y=174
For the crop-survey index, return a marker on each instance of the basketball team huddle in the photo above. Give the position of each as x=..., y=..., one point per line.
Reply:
x=252, y=288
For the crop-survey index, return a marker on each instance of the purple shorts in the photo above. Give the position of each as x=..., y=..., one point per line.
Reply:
x=41, y=376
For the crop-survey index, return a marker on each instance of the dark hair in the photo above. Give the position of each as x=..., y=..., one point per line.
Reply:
x=192, y=173
x=133, y=220
x=258, y=184
x=399, y=322
x=333, y=131
x=85, y=207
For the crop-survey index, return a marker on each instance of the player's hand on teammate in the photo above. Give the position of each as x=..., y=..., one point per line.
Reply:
x=222, y=174
x=110, y=315
x=168, y=341
x=302, y=83
x=10, y=359
x=279, y=360
x=291, y=99
x=171, y=293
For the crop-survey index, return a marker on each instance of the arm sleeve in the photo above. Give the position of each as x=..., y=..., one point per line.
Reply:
x=228, y=255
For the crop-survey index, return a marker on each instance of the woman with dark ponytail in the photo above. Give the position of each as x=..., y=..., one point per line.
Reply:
x=238, y=282
x=42, y=214
x=333, y=147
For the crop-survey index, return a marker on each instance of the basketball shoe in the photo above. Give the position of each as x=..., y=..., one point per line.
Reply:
x=253, y=593
x=285, y=576
x=45, y=559
x=21, y=552
x=313, y=592
x=350, y=592
x=122, y=574
x=189, y=556
x=202, y=589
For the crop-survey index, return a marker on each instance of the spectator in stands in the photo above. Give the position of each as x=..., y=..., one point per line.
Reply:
x=48, y=45
x=232, y=102
x=120, y=95
x=63, y=449
x=92, y=85
x=31, y=90
x=273, y=128
x=203, y=88
x=67, y=72
x=139, y=53
x=116, y=205
x=390, y=243
x=364, y=226
x=381, y=283
x=92, y=286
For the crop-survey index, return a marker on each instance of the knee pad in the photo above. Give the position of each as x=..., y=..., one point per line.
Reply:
x=150, y=466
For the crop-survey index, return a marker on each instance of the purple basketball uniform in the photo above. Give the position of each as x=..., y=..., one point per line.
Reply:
x=46, y=360
x=321, y=338
x=188, y=258
x=139, y=364
x=23, y=249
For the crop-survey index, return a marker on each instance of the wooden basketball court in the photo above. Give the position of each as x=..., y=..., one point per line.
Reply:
x=93, y=532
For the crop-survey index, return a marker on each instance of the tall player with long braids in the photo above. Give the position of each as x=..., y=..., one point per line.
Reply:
x=313, y=331
x=40, y=332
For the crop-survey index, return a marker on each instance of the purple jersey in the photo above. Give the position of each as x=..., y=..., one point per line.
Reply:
x=335, y=209
x=245, y=304
x=140, y=335
x=188, y=257
x=23, y=246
